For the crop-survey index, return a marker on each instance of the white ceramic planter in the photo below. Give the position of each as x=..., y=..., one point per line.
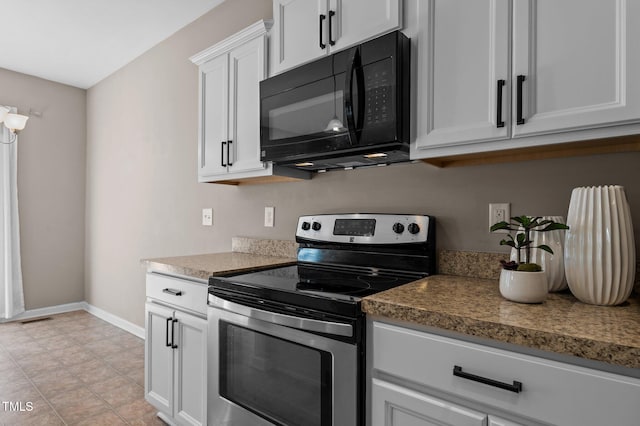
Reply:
x=552, y=264
x=524, y=287
x=600, y=254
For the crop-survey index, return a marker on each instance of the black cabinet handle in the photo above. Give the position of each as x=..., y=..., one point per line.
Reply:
x=520, y=118
x=322, y=18
x=172, y=291
x=222, y=163
x=515, y=387
x=499, y=88
x=166, y=339
x=229, y=163
x=173, y=345
x=331, y=15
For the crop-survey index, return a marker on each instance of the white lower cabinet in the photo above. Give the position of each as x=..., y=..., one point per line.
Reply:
x=176, y=351
x=419, y=378
x=395, y=405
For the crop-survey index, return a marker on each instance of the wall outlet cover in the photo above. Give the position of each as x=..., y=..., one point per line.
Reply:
x=207, y=217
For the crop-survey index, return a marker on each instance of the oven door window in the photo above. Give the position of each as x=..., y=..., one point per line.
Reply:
x=281, y=381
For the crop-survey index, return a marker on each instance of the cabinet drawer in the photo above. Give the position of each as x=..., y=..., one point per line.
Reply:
x=179, y=292
x=551, y=391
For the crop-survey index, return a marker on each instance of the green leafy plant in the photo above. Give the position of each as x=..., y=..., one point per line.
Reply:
x=523, y=225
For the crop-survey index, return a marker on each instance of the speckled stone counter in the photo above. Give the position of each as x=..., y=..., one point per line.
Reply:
x=474, y=307
x=202, y=266
x=248, y=254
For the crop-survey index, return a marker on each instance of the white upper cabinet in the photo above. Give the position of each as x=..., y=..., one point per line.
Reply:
x=298, y=34
x=229, y=117
x=580, y=60
x=304, y=30
x=499, y=74
x=465, y=92
x=229, y=133
x=358, y=20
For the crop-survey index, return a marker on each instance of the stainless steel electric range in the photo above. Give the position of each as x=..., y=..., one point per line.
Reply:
x=286, y=344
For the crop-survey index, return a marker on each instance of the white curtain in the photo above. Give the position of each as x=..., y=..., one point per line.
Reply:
x=11, y=293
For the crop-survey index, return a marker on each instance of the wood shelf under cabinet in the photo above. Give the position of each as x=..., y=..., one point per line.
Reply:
x=571, y=149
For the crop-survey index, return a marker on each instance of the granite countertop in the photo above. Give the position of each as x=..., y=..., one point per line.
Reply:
x=246, y=254
x=202, y=266
x=474, y=307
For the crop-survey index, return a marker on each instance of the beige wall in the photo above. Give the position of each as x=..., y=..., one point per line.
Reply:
x=143, y=200
x=51, y=187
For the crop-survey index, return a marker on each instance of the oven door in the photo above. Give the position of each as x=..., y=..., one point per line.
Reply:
x=265, y=369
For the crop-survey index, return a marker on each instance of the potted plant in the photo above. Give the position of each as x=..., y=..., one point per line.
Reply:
x=522, y=280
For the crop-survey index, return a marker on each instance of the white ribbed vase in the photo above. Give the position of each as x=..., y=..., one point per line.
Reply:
x=552, y=264
x=600, y=254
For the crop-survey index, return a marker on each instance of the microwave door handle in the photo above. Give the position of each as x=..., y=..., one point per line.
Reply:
x=348, y=96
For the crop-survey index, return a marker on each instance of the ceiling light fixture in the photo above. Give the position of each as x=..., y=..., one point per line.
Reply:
x=13, y=122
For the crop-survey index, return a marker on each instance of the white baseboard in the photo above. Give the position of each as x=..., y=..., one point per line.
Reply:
x=81, y=306
x=43, y=312
x=136, y=330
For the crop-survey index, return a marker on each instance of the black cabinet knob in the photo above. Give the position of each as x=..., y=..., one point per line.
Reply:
x=316, y=226
x=398, y=228
x=306, y=226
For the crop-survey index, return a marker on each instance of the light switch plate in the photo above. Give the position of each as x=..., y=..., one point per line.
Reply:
x=269, y=213
x=207, y=217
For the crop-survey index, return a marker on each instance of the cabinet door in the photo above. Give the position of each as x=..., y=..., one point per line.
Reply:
x=158, y=358
x=214, y=104
x=580, y=60
x=497, y=421
x=394, y=405
x=300, y=32
x=464, y=57
x=191, y=369
x=358, y=20
x=247, y=67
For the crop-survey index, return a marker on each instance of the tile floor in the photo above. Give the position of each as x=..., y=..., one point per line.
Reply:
x=72, y=369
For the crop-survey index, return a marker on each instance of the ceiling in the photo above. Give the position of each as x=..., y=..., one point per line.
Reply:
x=80, y=42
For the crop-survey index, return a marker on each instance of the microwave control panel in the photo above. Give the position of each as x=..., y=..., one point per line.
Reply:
x=379, y=94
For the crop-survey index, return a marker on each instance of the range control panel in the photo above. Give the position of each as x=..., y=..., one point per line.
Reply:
x=363, y=228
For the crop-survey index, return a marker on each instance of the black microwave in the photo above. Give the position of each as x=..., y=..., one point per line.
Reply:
x=343, y=111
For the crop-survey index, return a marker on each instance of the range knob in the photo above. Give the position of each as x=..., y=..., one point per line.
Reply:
x=316, y=226
x=398, y=228
x=306, y=226
x=413, y=228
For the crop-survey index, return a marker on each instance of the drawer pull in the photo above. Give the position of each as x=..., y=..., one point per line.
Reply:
x=172, y=291
x=515, y=387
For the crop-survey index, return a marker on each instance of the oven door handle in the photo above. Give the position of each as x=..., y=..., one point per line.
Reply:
x=306, y=324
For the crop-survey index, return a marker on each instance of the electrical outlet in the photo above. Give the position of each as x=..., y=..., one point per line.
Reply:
x=269, y=213
x=499, y=212
x=207, y=217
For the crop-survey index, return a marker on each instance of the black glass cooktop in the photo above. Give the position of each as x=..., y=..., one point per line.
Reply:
x=324, y=280
x=329, y=289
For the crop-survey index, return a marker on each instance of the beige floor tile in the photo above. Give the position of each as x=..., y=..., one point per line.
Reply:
x=148, y=420
x=118, y=391
x=93, y=371
x=137, y=376
x=36, y=412
x=136, y=410
x=57, y=383
x=108, y=418
x=78, y=405
x=75, y=369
